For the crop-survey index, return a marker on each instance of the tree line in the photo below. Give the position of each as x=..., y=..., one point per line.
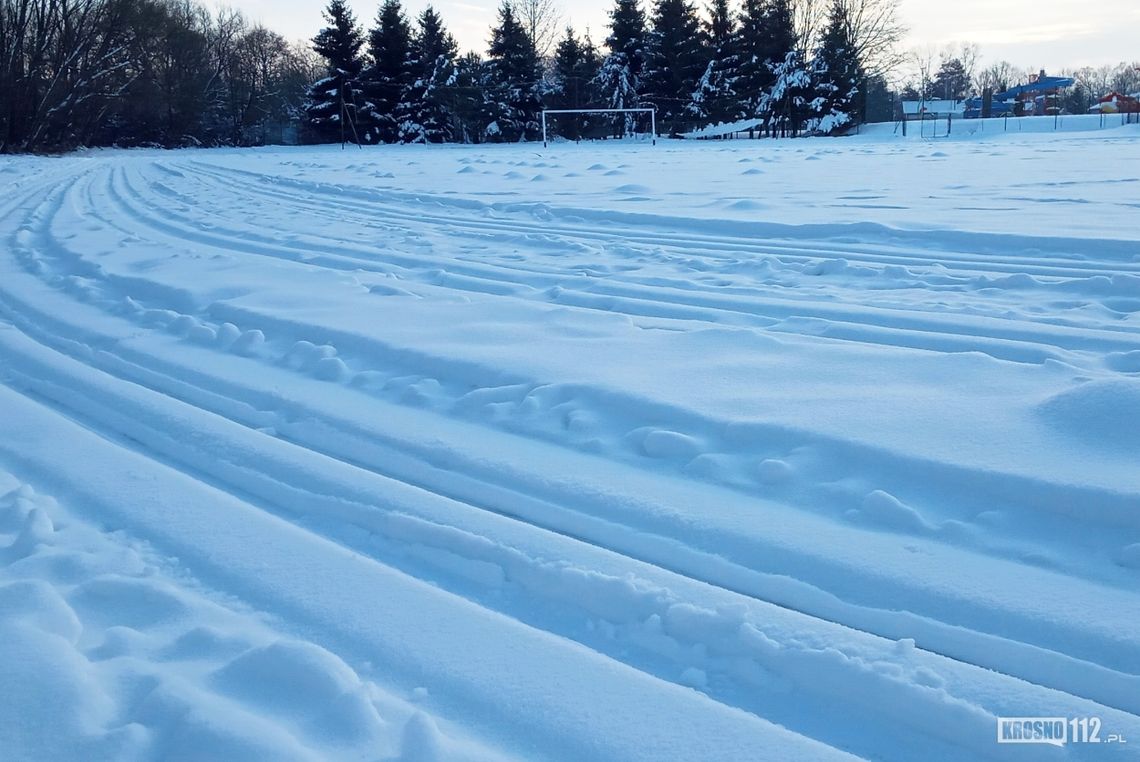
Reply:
x=784, y=65
x=144, y=72
x=954, y=74
x=171, y=73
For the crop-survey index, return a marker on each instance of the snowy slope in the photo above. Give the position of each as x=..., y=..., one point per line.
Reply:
x=730, y=451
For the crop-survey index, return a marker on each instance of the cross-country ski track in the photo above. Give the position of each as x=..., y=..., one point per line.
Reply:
x=317, y=454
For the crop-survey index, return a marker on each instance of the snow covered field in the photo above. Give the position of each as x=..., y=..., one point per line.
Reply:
x=803, y=450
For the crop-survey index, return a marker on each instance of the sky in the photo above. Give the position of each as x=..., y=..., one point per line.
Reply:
x=1050, y=34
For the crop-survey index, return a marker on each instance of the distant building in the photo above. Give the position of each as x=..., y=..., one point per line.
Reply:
x=1117, y=103
x=1040, y=96
x=976, y=107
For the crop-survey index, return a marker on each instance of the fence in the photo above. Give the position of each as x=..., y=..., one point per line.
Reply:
x=931, y=126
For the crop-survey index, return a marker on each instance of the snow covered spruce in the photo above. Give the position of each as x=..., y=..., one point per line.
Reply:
x=411, y=87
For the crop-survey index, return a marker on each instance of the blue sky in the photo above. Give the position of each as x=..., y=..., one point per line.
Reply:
x=1032, y=33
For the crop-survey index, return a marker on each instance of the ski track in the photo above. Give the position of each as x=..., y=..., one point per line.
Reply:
x=557, y=517
x=674, y=298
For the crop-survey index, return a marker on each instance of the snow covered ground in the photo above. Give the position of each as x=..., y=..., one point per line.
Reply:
x=804, y=450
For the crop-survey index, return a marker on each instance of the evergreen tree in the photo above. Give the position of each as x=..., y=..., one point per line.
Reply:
x=512, y=80
x=836, y=73
x=591, y=56
x=575, y=66
x=628, y=35
x=331, y=101
x=432, y=38
x=720, y=30
x=1077, y=99
x=878, y=101
x=466, y=105
x=789, y=101
x=383, y=82
x=424, y=113
x=567, y=62
x=674, y=59
x=767, y=35
x=715, y=100
x=952, y=81
x=619, y=77
x=615, y=83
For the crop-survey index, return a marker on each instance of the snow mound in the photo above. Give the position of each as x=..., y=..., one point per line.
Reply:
x=669, y=444
x=773, y=471
x=422, y=741
x=128, y=601
x=1125, y=362
x=888, y=511
x=36, y=604
x=228, y=335
x=303, y=683
x=248, y=343
x=1103, y=412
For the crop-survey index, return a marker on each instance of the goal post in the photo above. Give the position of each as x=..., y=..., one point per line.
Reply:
x=651, y=111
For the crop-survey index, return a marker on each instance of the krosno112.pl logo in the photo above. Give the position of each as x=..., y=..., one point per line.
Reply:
x=1056, y=731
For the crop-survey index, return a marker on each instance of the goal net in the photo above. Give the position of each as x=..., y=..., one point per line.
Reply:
x=599, y=124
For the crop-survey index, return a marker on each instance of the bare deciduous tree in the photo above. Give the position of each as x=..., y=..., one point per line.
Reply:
x=877, y=31
x=60, y=60
x=922, y=61
x=138, y=71
x=542, y=20
x=968, y=54
x=810, y=17
x=997, y=77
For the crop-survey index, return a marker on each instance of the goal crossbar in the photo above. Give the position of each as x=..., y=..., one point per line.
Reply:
x=652, y=116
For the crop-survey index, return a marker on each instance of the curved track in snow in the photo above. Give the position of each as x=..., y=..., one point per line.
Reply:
x=608, y=484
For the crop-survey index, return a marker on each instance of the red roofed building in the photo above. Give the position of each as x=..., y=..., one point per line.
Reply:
x=1117, y=103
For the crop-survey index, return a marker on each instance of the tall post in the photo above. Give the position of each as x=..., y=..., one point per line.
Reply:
x=352, y=122
x=653, y=124
x=544, y=129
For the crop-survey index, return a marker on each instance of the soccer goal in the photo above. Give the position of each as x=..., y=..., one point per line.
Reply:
x=651, y=111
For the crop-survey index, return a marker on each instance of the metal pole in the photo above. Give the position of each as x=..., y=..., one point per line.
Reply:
x=653, y=124
x=544, y=129
x=352, y=122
